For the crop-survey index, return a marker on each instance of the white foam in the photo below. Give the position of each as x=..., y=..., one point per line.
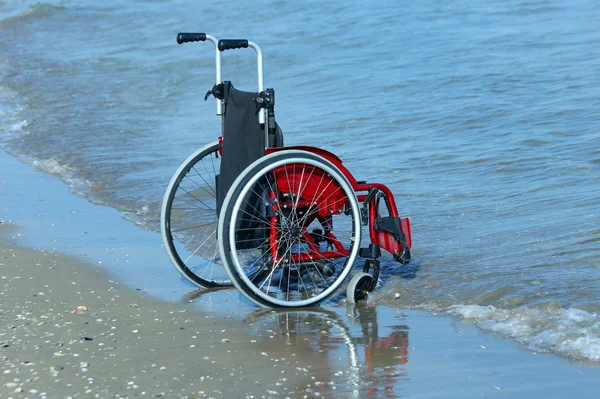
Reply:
x=573, y=333
x=11, y=125
x=78, y=185
x=145, y=215
x=18, y=126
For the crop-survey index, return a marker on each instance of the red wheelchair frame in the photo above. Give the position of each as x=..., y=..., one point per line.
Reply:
x=383, y=238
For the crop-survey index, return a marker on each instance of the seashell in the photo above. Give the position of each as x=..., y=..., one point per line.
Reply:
x=79, y=310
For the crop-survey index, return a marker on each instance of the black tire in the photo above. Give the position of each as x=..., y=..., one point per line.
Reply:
x=248, y=237
x=189, y=219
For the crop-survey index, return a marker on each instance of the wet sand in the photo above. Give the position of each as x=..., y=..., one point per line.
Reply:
x=123, y=343
x=147, y=333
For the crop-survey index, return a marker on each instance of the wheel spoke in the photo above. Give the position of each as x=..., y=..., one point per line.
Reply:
x=206, y=207
x=207, y=184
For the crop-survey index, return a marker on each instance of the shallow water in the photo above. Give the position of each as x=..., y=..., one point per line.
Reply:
x=481, y=117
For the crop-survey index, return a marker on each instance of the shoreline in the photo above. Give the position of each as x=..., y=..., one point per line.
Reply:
x=150, y=318
x=70, y=328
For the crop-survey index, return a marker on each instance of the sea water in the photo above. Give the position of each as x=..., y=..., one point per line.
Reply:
x=481, y=116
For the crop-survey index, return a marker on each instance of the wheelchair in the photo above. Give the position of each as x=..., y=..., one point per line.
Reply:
x=283, y=224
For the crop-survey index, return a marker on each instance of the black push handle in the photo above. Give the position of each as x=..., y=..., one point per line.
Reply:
x=229, y=44
x=190, y=37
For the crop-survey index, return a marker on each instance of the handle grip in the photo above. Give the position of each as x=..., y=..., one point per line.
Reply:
x=229, y=44
x=190, y=37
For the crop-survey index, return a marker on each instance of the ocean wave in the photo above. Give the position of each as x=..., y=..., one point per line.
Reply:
x=12, y=126
x=67, y=174
x=146, y=214
x=33, y=11
x=572, y=333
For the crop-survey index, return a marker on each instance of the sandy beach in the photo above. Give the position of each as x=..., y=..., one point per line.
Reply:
x=141, y=331
x=68, y=329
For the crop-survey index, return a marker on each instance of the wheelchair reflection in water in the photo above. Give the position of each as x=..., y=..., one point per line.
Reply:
x=352, y=350
x=374, y=355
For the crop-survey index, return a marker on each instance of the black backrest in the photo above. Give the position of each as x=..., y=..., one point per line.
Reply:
x=243, y=137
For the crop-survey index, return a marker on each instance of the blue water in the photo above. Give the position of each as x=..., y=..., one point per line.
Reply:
x=482, y=117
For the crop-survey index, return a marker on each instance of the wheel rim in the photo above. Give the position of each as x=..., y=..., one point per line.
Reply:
x=190, y=220
x=305, y=266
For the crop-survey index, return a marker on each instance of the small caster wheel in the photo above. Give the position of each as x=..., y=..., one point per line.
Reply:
x=359, y=287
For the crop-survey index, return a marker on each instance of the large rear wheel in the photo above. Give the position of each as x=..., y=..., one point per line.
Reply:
x=189, y=219
x=289, y=230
